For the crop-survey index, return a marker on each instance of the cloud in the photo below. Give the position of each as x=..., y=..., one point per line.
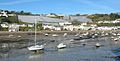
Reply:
x=18, y=2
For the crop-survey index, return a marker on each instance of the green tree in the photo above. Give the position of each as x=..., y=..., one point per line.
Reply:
x=102, y=17
x=39, y=26
x=76, y=22
x=77, y=14
x=22, y=12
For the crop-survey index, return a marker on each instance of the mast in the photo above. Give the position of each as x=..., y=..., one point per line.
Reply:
x=35, y=32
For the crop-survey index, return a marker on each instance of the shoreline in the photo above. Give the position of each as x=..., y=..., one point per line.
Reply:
x=6, y=36
x=61, y=31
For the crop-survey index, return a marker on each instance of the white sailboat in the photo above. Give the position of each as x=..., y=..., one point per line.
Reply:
x=36, y=47
x=61, y=45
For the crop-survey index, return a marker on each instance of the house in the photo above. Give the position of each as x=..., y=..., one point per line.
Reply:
x=114, y=21
x=65, y=23
x=57, y=25
x=83, y=24
x=76, y=28
x=84, y=28
x=100, y=22
x=58, y=28
x=87, y=26
x=30, y=25
x=22, y=25
x=4, y=25
x=106, y=28
x=68, y=27
x=5, y=14
x=51, y=15
x=72, y=27
x=13, y=28
x=50, y=25
x=60, y=16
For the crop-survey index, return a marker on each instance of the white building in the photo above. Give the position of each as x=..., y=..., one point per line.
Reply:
x=4, y=14
x=106, y=28
x=30, y=25
x=76, y=28
x=115, y=21
x=83, y=24
x=22, y=25
x=51, y=15
x=65, y=23
x=85, y=27
x=57, y=28
x=13, y=28
x=55, y=25
x=4, y=25
x=68, y=27
x=48, y=27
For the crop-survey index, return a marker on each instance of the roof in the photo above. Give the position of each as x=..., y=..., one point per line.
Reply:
x=30, y=19
x=81, y=18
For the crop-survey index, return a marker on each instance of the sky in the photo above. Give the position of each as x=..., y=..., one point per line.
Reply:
x=62, y=6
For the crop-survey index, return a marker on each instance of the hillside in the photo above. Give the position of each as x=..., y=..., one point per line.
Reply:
x=104, y=17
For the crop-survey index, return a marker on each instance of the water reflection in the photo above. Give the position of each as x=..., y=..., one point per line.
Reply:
x=36, y=54
x=62, y=50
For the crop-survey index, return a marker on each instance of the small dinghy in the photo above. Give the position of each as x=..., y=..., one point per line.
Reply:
x=97, y=44
x=46, y=34
x=61, y=45
x=116, y=39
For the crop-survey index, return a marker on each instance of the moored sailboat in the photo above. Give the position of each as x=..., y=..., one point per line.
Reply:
x=36, y=47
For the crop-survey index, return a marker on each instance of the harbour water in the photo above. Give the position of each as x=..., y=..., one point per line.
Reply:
x=109, y=50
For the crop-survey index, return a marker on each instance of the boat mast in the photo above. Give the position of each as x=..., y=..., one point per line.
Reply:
x=35, y=32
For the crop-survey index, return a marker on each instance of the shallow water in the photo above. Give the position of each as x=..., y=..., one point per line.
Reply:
x=73, y=52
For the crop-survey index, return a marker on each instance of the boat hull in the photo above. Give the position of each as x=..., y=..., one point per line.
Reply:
x=61, y=47
x=37, y=47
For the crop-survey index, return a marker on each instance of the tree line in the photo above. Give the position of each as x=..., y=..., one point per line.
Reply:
x=14, y=19
x=104, y=17
x=18, y=12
